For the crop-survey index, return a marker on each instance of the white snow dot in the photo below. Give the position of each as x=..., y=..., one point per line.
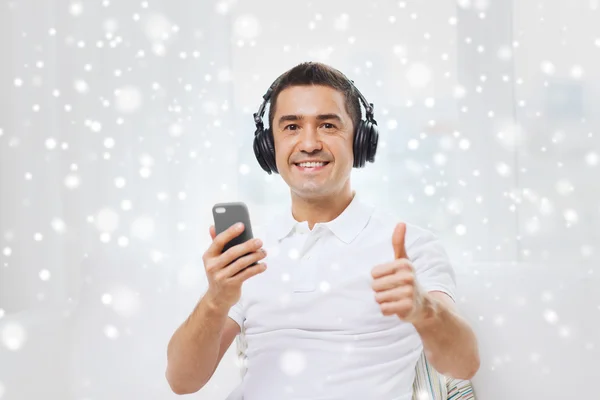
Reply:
x=142, y=228
x=418, y=75
x=592, y=159
x=399, y=50
x=81, y=86
x=587, y=251
x=109, y=143
x=129, y=99
x=246, y=27
x=76, y=9
x=95, y=126
x=126, y=205
x=293, y=254
x=157, y=28
x=44, y=274
x=106, y=298
x=564, y=187
x=503, y=169
x=7, y=251
x=341, y=23
x=111, y=332
x=564, y=331
x=597, y=42
x=58, y=225
x=146, y=160
x=429, y=102
x=72, y=181
x=459, y=92
x=440, y=159
x=548, y=68
x=18, y=82
x=413, y=144
x=324, y=286
x=38, y=237
x=145, y=172
x=175, y=130
x=429, y=190
x=461, y=230
x=464, y=144
x=292, y=362
x=125, y=301
x=571, y=216
x=392, y=124
x=123, y=241
x=50, y=143
x=107, y=220
x=576, y=71
x=244, y=169
x=120, y=182
x=13, y=336
x=551, y=316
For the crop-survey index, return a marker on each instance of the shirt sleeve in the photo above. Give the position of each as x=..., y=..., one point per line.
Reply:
x=432, y=264
x=236, y=313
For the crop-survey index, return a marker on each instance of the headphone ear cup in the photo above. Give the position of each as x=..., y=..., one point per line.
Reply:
x=258, y=152
x=372, y=141
x=269, y=150
x=264, y=150
x=365, y=143
x=360, y=147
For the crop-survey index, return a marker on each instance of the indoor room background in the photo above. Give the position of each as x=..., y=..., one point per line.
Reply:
x=123, y=122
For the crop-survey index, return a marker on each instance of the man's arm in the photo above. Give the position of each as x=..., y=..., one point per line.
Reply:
x=197, y=347
x=449, y=342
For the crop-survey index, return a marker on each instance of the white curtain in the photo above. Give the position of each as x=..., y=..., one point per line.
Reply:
x=123, y=122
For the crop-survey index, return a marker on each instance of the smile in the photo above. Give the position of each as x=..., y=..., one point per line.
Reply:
x=311, y=166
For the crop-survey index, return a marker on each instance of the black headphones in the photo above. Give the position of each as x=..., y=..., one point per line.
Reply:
x=366, y=135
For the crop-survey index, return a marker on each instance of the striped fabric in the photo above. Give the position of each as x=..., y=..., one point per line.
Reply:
x=460, y=390
x=428, y=385
x=431, y=385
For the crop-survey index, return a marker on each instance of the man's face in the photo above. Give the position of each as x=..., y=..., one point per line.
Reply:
x=311, y=124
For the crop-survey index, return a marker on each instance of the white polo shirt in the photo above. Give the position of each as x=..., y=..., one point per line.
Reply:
x=312, y=326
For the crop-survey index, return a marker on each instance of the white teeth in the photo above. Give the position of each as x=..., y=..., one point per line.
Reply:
x=311, y=164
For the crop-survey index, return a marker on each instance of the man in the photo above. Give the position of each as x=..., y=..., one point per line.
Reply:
x=345, y=299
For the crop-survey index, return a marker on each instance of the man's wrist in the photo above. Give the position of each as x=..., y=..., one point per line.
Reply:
x=428, y=314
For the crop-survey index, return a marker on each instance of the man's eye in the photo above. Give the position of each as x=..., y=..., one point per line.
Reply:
x=291, y=127
x=328, y=126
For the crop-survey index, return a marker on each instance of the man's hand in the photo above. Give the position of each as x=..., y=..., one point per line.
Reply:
x=395, y=283
x=226, y=271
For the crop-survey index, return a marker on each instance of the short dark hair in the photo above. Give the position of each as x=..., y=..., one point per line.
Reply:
x=316, y=73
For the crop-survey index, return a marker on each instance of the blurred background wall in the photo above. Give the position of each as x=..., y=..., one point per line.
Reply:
x=123, y=122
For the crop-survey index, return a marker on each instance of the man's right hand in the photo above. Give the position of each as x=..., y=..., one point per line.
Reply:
x=225, y=271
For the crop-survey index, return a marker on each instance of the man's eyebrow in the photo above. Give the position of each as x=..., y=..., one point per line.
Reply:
x=323, y=117
x=285, y=118
x=320, y=117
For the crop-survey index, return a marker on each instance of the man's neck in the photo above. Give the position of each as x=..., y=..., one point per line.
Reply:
x=322, y=209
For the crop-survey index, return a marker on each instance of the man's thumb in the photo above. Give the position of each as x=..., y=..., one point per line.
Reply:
x=398, y=241
x=213, y=233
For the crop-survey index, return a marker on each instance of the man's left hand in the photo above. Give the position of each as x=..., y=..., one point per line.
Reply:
x=395, y=284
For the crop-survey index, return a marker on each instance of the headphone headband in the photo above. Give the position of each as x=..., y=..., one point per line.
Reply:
x=258, y=116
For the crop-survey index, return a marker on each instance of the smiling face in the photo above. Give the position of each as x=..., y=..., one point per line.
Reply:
x=311, y=124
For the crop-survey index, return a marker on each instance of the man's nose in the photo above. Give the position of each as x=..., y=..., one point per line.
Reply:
x=310, y=140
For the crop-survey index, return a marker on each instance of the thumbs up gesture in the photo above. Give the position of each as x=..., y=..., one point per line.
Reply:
x=395, y=284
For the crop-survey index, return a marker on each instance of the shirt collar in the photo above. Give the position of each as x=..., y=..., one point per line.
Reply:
x=345, y=227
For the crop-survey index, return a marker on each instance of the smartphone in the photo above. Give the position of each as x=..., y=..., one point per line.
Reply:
x=227, y=214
